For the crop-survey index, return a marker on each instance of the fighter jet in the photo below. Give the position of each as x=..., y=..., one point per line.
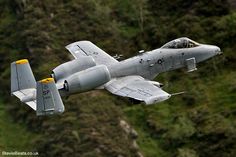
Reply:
x=92, y=68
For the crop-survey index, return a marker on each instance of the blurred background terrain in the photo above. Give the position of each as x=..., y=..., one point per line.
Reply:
x=96, y=124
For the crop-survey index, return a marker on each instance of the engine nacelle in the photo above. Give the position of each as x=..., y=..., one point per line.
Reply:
x=66, y=69
x=87, y=79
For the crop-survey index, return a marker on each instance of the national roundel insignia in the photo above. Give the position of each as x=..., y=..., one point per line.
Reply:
x=159, y=61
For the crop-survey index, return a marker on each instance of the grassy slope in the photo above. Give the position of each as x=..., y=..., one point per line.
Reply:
x=214, y=93
x=155, y=124
x=13, y=136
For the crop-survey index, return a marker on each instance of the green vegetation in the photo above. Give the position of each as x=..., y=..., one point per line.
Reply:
x=191, y=123
x=13, y=136
x=197, y=124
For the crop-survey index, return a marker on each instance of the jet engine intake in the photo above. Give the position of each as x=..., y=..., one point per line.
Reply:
x=66, y=69
x=87, y=79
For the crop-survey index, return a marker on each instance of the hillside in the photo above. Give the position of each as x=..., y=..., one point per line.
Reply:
x=197, y=124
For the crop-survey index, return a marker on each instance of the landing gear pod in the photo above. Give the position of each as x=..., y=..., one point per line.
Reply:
x=191, y=64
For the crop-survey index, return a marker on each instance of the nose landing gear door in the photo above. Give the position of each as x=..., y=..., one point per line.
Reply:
x=191, y=64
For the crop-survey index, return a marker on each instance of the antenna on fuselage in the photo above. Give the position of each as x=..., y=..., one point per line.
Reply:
x=118, y=56
x=141, y=51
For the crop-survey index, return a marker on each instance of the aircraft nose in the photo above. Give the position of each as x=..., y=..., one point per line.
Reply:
x=214, y=50
x=207, y=51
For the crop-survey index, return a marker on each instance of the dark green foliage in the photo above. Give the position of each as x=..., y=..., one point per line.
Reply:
x=87, y=129
x=198, y=124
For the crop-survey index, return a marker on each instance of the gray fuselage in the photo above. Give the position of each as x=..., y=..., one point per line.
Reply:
x=178, y=53
x=151, y=63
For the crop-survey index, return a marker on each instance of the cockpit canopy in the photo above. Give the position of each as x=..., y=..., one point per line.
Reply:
x=180, y=43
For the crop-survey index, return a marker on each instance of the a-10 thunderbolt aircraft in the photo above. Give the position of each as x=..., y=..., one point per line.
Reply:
x=93, y=68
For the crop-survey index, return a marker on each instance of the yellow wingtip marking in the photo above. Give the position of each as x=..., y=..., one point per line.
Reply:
x=46, y=80
x=22, y=61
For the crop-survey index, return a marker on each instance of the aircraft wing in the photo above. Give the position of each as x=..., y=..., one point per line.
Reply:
x=87, y=48
x=138, y=88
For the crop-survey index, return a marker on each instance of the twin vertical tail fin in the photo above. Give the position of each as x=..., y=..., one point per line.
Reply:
x=42, y=96
x=23, y=84
x=48, y=98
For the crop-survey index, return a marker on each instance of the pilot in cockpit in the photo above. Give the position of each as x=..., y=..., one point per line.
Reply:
x=180, y=43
